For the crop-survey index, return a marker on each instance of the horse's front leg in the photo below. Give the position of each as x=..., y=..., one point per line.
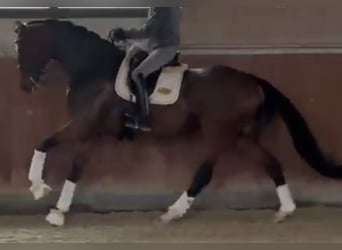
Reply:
x=71, y=132
x=56, y=216
x=36, y=173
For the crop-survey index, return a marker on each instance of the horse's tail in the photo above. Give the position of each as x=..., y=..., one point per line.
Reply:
x=303, y=139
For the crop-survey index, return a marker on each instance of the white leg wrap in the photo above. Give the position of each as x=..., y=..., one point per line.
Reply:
x=38, y=188
x=37, y=165
x=55, y=217
x=286, y=202
x=66, y=196
x=179, y=208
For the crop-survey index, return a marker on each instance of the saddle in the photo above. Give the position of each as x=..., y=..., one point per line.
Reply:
x=152, y=79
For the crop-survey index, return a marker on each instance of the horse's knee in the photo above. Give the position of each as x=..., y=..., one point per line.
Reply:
x=77, y=168
x=75, y=173
x=47, y=144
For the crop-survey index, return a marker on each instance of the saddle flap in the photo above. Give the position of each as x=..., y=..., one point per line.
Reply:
x=163, y=86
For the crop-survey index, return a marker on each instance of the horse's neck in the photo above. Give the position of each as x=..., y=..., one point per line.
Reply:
x=76, y=60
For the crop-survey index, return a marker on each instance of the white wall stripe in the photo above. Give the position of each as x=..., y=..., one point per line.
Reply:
x=258, y=51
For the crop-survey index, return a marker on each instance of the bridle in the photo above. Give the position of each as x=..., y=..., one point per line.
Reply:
x=35, y=83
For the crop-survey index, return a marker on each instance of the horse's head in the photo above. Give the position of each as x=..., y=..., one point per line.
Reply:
x=34, y=45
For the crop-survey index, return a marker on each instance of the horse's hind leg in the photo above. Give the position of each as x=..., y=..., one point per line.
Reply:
x=274, y=170
x=216, y=138
x=287, y=205
x=200, y=180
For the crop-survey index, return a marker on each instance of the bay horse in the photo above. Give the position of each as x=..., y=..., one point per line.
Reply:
x=219, y=105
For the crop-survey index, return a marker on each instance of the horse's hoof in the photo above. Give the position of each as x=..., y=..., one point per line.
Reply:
x=158, y=222
x=40, y=191
x=281, y=216
x=55, y=218
x=171, y=215
x=165, y=218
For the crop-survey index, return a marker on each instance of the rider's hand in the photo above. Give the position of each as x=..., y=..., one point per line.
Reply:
x=118, y=35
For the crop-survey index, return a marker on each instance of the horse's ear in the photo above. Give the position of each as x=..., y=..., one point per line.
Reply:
x=19, y=26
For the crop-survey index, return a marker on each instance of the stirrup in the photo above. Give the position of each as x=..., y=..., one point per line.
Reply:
x=134, y=123
x=128, y=115
x=136, y=126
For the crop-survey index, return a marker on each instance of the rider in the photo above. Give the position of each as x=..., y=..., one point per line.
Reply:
x=161, y=32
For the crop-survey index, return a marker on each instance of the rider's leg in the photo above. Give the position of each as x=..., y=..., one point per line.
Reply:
x=155, y=60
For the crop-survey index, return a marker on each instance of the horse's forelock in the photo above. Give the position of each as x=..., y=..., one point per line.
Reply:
x=22, y=26
x=19, y=26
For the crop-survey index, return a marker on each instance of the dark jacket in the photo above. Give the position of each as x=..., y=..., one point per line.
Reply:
x=162, y=28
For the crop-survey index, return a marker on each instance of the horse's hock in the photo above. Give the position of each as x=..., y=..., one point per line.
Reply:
x=150, y=175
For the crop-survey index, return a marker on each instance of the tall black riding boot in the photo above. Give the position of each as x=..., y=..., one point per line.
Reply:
x=141, y=118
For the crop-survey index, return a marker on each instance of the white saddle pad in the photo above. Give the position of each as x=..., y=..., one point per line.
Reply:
x=167, y=87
